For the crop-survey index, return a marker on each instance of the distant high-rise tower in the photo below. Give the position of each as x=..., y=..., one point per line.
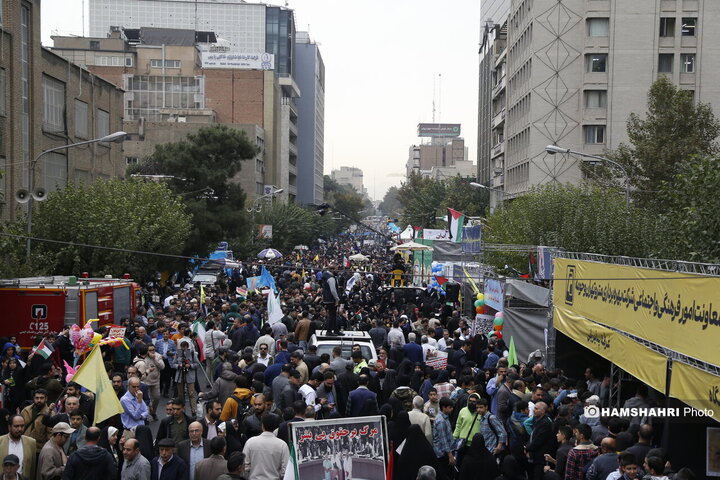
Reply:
x=310, y=77
x=570, y=73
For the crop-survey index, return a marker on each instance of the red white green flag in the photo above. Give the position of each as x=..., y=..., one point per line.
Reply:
x=43, y=349
x=456, y=222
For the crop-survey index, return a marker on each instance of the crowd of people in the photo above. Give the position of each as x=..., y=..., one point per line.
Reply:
x=231, y=394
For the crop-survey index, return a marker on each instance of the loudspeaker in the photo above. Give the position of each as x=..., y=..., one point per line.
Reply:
x=452, y=291
x=22, y=196
x=39, y=194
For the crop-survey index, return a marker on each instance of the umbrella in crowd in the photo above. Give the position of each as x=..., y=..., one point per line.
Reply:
x=411, y=247
x=358, y=257
x=269, y=254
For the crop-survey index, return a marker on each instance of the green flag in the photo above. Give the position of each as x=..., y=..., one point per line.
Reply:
x=512, y=356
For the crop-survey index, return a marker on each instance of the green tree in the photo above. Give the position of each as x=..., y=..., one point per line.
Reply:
x=205, y=165
x=674, y=129
x=422, y=200
x=463, y=197
x=123, y=214
x=576, y=218
x=390, y=204
x=292, y=225
x=346, y=199
x=693, y=212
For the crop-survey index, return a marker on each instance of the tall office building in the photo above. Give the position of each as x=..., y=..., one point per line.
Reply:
x=570, y=73
x=351, y=176
x=241, y=28
x=310, y=77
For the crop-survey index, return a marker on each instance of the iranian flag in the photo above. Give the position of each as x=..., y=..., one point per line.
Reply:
x=199, y=328
x=43, y=349
x=456, y=221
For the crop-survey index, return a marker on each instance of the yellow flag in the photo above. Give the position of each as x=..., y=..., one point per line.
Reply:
x=317, y=258
x=92, y=375
x=202, y=295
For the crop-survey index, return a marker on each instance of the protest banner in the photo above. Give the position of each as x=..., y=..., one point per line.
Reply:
x=342, y=448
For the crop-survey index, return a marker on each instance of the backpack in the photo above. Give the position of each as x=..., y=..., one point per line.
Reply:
x=243, y=407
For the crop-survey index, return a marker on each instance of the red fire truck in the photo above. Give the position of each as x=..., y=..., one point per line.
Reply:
x=38, y=305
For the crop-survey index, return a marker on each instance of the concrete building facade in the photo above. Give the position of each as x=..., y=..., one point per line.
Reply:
x=310, y=76
x=238, y=28
x=168, y=94
x=570, y=73
x=448, y=154
x=351, y=176
x=47, y=102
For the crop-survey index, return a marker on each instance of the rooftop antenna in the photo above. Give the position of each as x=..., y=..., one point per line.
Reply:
x=439, y=97
x=433, y=101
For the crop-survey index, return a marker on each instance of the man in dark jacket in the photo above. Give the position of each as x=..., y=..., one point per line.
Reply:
x=542, y=440
x=173, y=468
x=358, y=397
x=330, y=299
x=90, y=461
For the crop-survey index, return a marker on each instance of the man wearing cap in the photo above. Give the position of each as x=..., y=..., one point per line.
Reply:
x=22, y=447
x=167, y=465
x=52, y=459
x=11, y=465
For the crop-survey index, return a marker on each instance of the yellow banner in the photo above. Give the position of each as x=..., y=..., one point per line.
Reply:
x=646, y=365
x=676, y=310
x=696, y=388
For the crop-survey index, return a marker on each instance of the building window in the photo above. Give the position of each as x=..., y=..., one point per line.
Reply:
x=667, y=27
x=687, y=63
x=111, y=61
x=597, y=62
x=55, y=171
x=94, y=44
x=595, y=98
x=102, y=123
x=54, y=105
x=665, y=62
x=131, y=160
x=3, y=91
x=82, y=176
x=128, y=61
x=81, y=119
x=594, y=134
x=688, y=27
x=158, y=63
x=147, y=94
x=597, y=27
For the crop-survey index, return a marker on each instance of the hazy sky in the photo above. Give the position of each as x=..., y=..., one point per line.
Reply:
x=382, y=61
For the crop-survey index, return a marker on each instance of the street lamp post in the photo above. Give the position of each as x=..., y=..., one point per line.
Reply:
x=113, y=137
x=490, y=189
x=553, y=149
x=257, y=208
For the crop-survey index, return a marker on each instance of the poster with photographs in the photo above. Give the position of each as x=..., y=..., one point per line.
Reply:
x=341, y=449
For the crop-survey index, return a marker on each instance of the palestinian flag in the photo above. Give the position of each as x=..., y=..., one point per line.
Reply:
x=43, y=349
x=456, y=221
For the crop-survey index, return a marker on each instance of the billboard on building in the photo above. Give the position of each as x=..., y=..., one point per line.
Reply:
x=238, y=61
x=438, y=129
